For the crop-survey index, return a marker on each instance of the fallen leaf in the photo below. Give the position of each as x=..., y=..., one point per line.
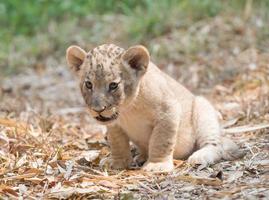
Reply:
x=8, y=191
x=69, y=168
x=22, y=189
x=108, y=184
x=235, y=175
x=87, y=157
x=200, y=180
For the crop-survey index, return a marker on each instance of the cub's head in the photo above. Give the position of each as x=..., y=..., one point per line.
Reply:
x=109, y=77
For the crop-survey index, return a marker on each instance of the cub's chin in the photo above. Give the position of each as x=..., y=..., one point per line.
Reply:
x=106, y=119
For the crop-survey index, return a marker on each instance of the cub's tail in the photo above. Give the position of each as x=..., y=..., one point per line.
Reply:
x=230, y=150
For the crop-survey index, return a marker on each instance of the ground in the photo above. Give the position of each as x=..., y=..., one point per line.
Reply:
x=50, y=147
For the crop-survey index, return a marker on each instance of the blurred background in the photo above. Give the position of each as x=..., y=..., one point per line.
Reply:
x=175, y=31
x=210, y=46
x=216, y=48
x=200, y=43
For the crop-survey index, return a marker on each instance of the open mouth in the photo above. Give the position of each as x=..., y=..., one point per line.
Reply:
x=106, y=119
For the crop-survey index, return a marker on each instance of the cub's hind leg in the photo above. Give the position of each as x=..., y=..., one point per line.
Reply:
x=211, y=146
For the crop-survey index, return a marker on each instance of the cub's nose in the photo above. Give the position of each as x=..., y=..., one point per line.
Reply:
x=99, y=109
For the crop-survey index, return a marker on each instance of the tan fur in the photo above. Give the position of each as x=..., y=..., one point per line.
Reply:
x=160, y=116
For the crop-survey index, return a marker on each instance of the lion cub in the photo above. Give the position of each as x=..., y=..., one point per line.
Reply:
x=138, y=102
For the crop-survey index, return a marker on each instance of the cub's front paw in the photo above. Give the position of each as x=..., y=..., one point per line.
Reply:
x=166, y=166
x=112, y=163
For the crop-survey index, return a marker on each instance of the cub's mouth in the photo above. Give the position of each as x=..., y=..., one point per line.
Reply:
x=106, y=119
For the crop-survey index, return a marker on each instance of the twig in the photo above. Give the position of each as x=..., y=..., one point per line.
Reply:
x=146, y=187
x=247, y=128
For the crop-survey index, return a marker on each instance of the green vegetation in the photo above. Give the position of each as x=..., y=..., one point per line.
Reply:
x=29, y=16
x=36, y=28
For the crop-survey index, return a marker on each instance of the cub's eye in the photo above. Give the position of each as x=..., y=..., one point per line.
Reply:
x=113, y=86
x=88, y=85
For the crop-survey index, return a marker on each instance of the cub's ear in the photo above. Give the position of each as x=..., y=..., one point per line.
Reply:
x=136, y=57
x=75, y=57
